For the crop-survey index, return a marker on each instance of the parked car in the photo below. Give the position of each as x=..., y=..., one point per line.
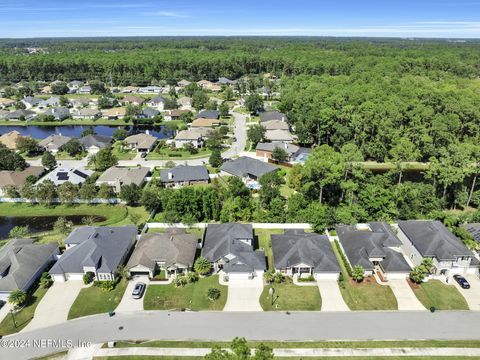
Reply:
x=138, y=291
x=143, y=155
x=461, y=281
x=2, y=303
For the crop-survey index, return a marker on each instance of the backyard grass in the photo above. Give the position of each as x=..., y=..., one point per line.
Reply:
x=434, y=293
x=93, y=300
x=291, y=297
x=191, y=296
x=24, y=316
x=263, y=238
x=366, y=295
x=178, y=154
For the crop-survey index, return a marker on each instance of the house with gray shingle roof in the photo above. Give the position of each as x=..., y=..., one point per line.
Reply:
x=93, y=143
x=21, y=114
x=246, y=168
x=265, y=150
x=273, y=115
x=230, y=247
x=22, y=262
x=157, y=102
x=374, y=246
x=60, y=113
x=53, y=143
x=184, y=175
x=431, y=239
x=172, y=251
x=140, y=142
x=117, y=176
x=98, y=250
x=304, y=254
x=31, y=101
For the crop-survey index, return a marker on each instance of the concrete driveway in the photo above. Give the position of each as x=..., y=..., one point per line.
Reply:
x=472, y=295
x=406, y=299
x=244, y=295
x=54, y=307
x=128, y=303
x=332, y=299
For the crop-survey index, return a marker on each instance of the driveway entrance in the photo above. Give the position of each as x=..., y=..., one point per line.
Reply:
x=332, y=299
x=472, y=295
x=128, y=303
x=244, y=295
x=406, y=299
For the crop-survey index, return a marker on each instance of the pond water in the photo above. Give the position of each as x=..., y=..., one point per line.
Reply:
x=38, y=223
x=41, y=132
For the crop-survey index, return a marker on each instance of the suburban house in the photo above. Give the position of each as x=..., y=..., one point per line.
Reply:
x=18, y=178
x=93, y=143
x=185, y=103
x=431, y=239
x=53, y=143
x=62, y=174
x=230, y=248
x=31, y=101
x=148, y=113
x=130, y=89
x=182, y=83
x=22, y=262
x=474, y=230
x=250, y=170
x=205, y=123
x=4, y=114
x=21, y=115
x=133, y=100
x=280, y=136
x=172, y=252
x=195, y=137
x=208, y=114
x=140, y=142
x=114, y=113
x=97, y=250
x=10, y=139
x=157, y=102
x=375, y=247
x=75, y=84
x=86, y=114
x=175, y=114
x=275, y=125
x=53, y=101
x=265, y=150
x=304, y=254
x=80, y=102
x=87, y=89
x=183, y=175
x=226, y=81
x=273, y=115
x=58, y=113
x=117, y=176
x=151, y=89
x=5, y=103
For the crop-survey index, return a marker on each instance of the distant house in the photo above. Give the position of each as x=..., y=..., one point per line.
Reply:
x=10, y=139
x=141, y=142
x=114, y=113
x=5, y=103
x=172, y=251
x=192, y=136
x=431, y=239
x=148, y=113
x=4, y=114
x=226, y=81
x=273, y=115
x=265, y=150
x=175, y=114
x=247, y=168
x=183, y=175
x=208, y=114
x=53, y=101
x=87, y=89
x=230, y=247
x=22, y=262
x=150, y=90
x=31, y=101
x=53, y=143
x=62, y=174
x=183, y=83
x=86, y=114
x=133, y=100
x=185, y=103
x=374, y=246
x=93, y=143
x=117, y=176
x=75, y=84
x=130, y=89
x=58, y=113
x=80, y=102
x=21, y=115
x=18, y=178
x=157, y=102
x=275, y=125
x=205, y=123
x=474, y=230
x=97, y=250
x=280, y=136
x=304, y=254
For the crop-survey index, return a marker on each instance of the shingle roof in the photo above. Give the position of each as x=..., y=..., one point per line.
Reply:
x=291, y=149
x=63, y=174
x=473, y=229
x=279, y=135
x=54, y=142
x=17, y=178
x=272, y=115
x=275, y=125
x=17, y=114
x=141, y=141
x=32, y=100
x=191, y=134
x=125, y=175
x=157, y=100
x=170, y=247
x=247, y=166
x=102, y=247
x=185, y=173
x=95, y=140
x=311, y=249
x=208, y=114
x=10, y=139
x=432, y=238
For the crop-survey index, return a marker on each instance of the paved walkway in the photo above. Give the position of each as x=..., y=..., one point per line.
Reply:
x=472, y=295
x=332, y=299
x=128, y=303
x=54, y=307
x=406, y=299
x=244, y=295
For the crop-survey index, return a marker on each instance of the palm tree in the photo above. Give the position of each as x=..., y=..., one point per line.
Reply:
x=123, y=272
x=17, y=297
x=358, y=273
x=202, y=266
x=428, y=265
x=417, y=275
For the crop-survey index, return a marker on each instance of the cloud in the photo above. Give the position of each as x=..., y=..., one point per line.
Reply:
x=170, y=14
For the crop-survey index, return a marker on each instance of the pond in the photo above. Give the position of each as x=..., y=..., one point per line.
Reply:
x=41, y=132
x=38, y=223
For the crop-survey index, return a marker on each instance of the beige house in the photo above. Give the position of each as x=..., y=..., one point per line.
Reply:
x=4, y=103
x=10, y=139
x=280, y=135
x=195, y=137
x=141, y=142
x=117, y=176
x=86, y=114
x=114, y=113
x=18, y=178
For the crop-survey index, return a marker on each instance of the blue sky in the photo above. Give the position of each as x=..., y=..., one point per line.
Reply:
x=407, y=18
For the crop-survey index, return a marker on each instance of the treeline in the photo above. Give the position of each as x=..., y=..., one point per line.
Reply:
x=144, y=61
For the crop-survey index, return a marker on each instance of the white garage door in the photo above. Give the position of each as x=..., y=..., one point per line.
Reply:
x=239, y=276
x=59, y=278
x=397, y=276
x=74, y=276
x=327, y=276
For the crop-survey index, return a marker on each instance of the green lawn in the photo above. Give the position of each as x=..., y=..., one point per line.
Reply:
x=439, y=295
x=24, y=316
x=291, y=297
x=122, y=154
x=263, y=236
x=178, y=154
x=192, y=296
x=367, y=295
x=93, y=300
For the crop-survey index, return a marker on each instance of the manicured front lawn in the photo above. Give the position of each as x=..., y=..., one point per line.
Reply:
x=93, y=300
x=192, y=296
x=24, y=316
x=122, y=154
x=367, y=295
x=263, y=236
x=291, y=297
x=434, y=293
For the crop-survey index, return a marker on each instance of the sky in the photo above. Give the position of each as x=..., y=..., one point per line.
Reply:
x=375, y=18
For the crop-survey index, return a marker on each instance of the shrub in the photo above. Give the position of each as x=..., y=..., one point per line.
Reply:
x=108, y=285
x=45, y=280
x=192, y=277
x=278, y=278
x=213, y=293
x=202, y=266
x=87, y=278
x=180, y=281
x=307, y=279
x=358, y=273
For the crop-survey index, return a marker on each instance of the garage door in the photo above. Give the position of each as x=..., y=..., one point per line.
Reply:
x=139, y=273
x=239, y=276
x=74, y=276
x=327, y=276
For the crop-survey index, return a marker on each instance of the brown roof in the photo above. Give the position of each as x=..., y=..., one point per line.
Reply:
x=178, y=112
x=202, y=122
x=133, y=99
x=17, y=178
x=6, y=102
x=10, y=139
x=118, y=111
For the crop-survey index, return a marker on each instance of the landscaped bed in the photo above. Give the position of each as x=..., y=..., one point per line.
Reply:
x=192, y=296
x=94, y=300
x=291, y=297
x=434, y=293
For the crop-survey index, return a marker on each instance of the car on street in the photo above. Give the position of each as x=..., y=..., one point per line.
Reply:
x=138, y=290
x=461, y=281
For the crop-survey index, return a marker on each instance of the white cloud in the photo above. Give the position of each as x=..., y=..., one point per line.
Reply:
x=171, y=14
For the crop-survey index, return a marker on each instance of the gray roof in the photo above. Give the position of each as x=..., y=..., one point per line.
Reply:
x=172, y=247
x=361, y=245
x=158, y=100
x=17, y=114
x=291, y=149
x=224, y=80
x=247, y=166
x=101, y=247
x=20, y=260
x=275, y=125
x=32, y=100
x=432, y=239
x=141, y=141
x=54, y=142
x=53, y=101
x=314, y=250
x=95, y=140
x=474, y=230
x=185, y=173
x=272, y=115
x=224, y=242
x=62, y=174
x=124, y=175
x=208, y=114
x=58, y=113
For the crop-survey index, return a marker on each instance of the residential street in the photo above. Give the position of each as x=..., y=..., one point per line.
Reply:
x=395, y=325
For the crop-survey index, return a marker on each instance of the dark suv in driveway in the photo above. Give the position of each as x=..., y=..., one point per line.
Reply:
x=461, y=281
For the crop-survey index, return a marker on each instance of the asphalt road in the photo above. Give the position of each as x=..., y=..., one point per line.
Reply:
x=223, y=326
